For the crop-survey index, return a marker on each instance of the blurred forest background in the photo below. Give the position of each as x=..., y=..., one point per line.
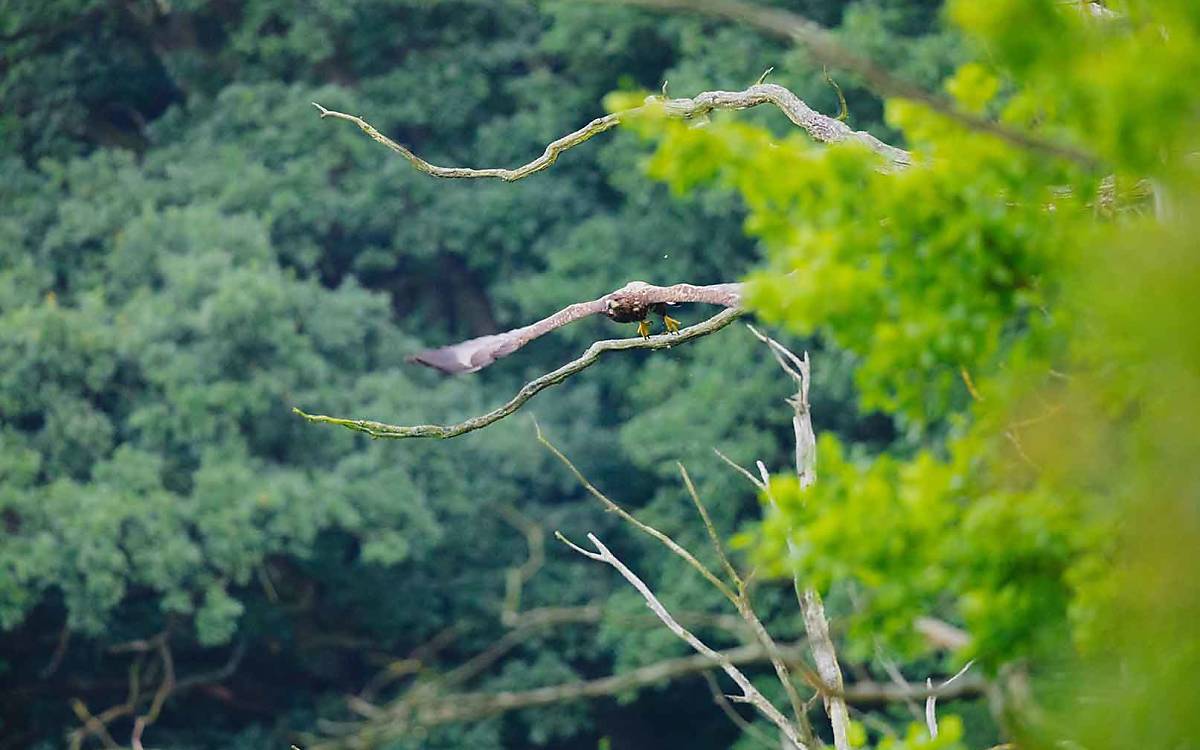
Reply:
x=187, y=251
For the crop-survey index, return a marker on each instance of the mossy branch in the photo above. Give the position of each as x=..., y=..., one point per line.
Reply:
x=533, y=387
x=821, y=127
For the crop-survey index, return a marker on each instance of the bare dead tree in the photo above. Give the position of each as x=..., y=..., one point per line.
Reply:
x=813, y=610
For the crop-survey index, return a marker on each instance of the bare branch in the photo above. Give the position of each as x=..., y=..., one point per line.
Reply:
x=625, y=515
x=423, y=708
x=878, y=693
x=825, y=656
x=746, y=610
x=739, y=599
x=811, y=607
x=533, y=387
x=825, y=48
x=516, y=578
x=726, y=708
x=931, y=700
x=431, y=709
x=821, y=127
x=750, y=694
x=941, y=634
x=712, y=531
x=897, y=678
x=741, y=470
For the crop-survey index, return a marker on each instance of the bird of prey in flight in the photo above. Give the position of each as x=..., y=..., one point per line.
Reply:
x=631, y=303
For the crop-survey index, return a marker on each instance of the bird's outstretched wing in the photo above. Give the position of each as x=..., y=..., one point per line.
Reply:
x=478, y=353
x=630, y=302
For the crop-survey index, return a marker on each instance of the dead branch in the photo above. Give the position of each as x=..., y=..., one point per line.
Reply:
x=825, y=48
x=821, y=127
x=731, y=713
x=516, y=577
x=739, y=598
x=533, y=387
x=811, y=607
x=429, y=706
x=879, y=693
x=931, y=701
x=750, y=694
x=625, y=515
x=167, y=687
x=746, y=610
x=432, y=709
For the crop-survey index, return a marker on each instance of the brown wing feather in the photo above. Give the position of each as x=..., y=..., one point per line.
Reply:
x=476, y=354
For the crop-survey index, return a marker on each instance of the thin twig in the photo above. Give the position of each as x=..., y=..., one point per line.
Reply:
x=708, y=526
x=625, y=515
x=746, y=610
x=516, y=577
x=737, y=719
x=931, y=701
x=821, y=127
x=750, y=694
x=897, y=678
x=533, y=387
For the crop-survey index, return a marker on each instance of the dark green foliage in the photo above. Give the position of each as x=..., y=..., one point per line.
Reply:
x=187, y=251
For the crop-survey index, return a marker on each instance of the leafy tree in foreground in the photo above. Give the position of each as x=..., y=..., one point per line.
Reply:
x=1031, y=323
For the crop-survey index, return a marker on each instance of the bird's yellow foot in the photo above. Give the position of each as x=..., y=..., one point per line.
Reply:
x=671, y=324
x=644, y=329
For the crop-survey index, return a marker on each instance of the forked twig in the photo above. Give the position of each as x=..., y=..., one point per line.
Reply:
x=750, y=694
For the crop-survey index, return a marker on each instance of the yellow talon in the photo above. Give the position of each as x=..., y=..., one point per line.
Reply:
x=644, y=329
x=671, y=324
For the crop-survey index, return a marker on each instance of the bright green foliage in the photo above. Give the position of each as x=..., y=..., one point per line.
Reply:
x=917, y=737
x=1031, y=321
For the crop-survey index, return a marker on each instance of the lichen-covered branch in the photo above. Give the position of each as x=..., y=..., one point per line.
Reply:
x=821, y=127
x=533, y=387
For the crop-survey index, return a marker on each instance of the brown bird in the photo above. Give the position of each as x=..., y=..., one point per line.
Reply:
x=631, y=303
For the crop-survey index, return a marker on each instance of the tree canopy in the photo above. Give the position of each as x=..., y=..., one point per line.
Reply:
x=1004, y=367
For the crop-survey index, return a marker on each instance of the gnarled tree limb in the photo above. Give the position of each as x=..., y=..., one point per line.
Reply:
x=533, y=387
x=821, y=127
